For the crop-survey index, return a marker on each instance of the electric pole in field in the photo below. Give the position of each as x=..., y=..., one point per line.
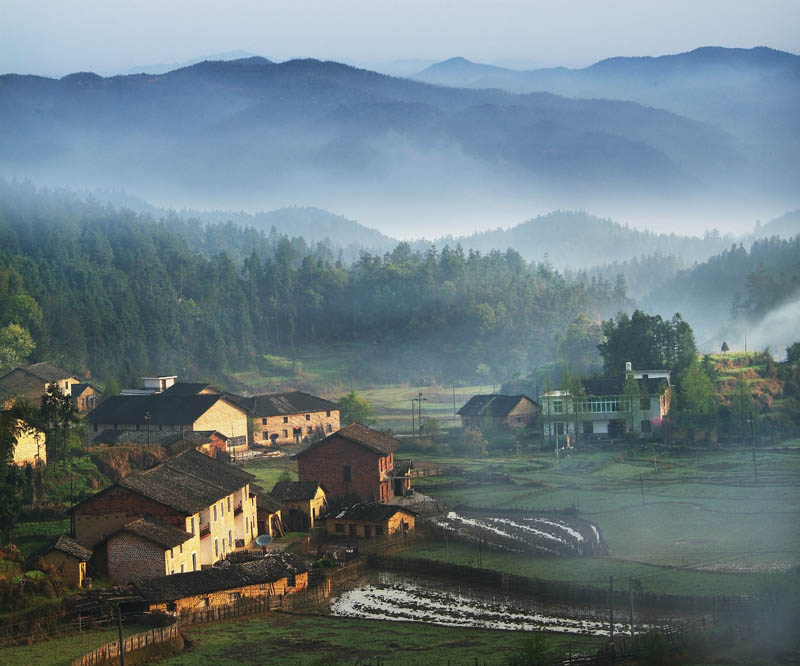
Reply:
x=630, y=590
x=413, y=429
x=611, y=607
x=753, y=444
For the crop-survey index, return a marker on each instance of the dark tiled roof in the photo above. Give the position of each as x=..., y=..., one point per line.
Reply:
x=294, y=402
x=495, y=405
x=189, y=388
x=268, y=569
x=48, y=372
x=77, y=389
x=268, y=503
x=193, y=437
x=66, y=544
x=371, y=512
x=373, y=440
x=188, y=482
x=293, y=491
x=162, y=409
x=159, y=533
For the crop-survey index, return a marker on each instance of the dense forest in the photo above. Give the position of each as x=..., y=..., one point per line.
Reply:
x=113, y=294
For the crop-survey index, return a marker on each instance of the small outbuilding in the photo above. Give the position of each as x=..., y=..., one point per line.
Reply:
x=509, y=411
x=370, y=519
x=268, y=515
x=304, y=502
x=69, y=559
x=146, y=548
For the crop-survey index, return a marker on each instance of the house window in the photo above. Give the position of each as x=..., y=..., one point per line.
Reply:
x=308, y=417
x=559, y=428
x=328, y=428
x=234, y=596
x=216, y=547
x=519, y=419
x=340, y=528
x=644, y=403
x=229, y=504
x=180, y=548
x=215, y=512
x=290, y=580
x=194, y=561
x=264, y=421
x=588, y=427
x=286, y=419
x=221, y=509
x=263, y=586
x=347, y=473
x=94, y=427
x=378, y=530
x=191, y=523
x=246, y=524
x=230, y=537
x=181, y=568
x=309, y=430
x=647, y=426
x=328, y=413
x=265, y=435
x=558, y=406
x=285, y=433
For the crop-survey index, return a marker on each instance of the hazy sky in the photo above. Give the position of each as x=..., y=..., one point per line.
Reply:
x=55, y=37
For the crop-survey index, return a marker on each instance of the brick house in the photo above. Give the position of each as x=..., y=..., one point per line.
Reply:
x=31, y=382
x=147, y=548
x=273, y=575
x=507, y=411
x=161, y=412
x=355, y=462
x=84, y=397
x=369, y=520
x=69, y=559
x=192, y=492
x=290, y=418
x=303, y=503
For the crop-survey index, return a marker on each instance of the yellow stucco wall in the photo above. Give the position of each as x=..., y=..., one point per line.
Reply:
x=225, y=417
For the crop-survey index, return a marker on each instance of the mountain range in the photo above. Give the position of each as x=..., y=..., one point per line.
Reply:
x=255, y=134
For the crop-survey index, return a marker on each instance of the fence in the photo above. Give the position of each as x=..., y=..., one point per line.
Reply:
x=110, y=650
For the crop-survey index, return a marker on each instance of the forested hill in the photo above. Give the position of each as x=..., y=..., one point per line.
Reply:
x=739, y=290
x=579, y=240
x=114, y=294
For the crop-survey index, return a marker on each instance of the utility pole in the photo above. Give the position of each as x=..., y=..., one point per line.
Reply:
x=454, y=397
x=753, y=444
x=641, y=483
x=147, y=421
x=611, y=608
x=630, y=589
x=413, y=429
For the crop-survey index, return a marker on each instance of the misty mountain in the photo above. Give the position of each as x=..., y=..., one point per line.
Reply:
x=163, y=67
x=256, y=134
x=579, y=240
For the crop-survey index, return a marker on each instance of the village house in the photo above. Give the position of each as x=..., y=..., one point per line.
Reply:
x=161, y=412
x=606, y=411
x=209, y=500
x=303, y=503
x=68, y=558
x=355, y=462
x=290, y=418
x=369, y=520
x=31, y=382
x=506, y=411
x=273, y=575
x=84, y=397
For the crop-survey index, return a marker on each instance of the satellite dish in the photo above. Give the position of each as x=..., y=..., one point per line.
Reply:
x=263, y=540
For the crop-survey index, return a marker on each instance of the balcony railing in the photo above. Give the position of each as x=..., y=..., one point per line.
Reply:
x=205, y=531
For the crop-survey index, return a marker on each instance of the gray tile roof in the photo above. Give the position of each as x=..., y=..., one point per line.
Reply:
x=162, y=409
x=158, y=533
x=294, y=491
x=370, y=512
x=494, y=404
x=66, y=544
x=48, y=372
x=270, y=568
x=293, y=402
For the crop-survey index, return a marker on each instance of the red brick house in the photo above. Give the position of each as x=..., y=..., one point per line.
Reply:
x=147, y=549
x=355, y=461
x=506, y=411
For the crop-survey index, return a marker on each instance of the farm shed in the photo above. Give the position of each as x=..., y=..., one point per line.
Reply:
x=269, y=514
x=356, y=461
x=275, y=574
x=508, y=411
x=370, y=520
x=304, y=502
x=68, y=558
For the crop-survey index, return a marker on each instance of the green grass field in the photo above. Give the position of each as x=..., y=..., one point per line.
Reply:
x=31, y=536
x=303, y=640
